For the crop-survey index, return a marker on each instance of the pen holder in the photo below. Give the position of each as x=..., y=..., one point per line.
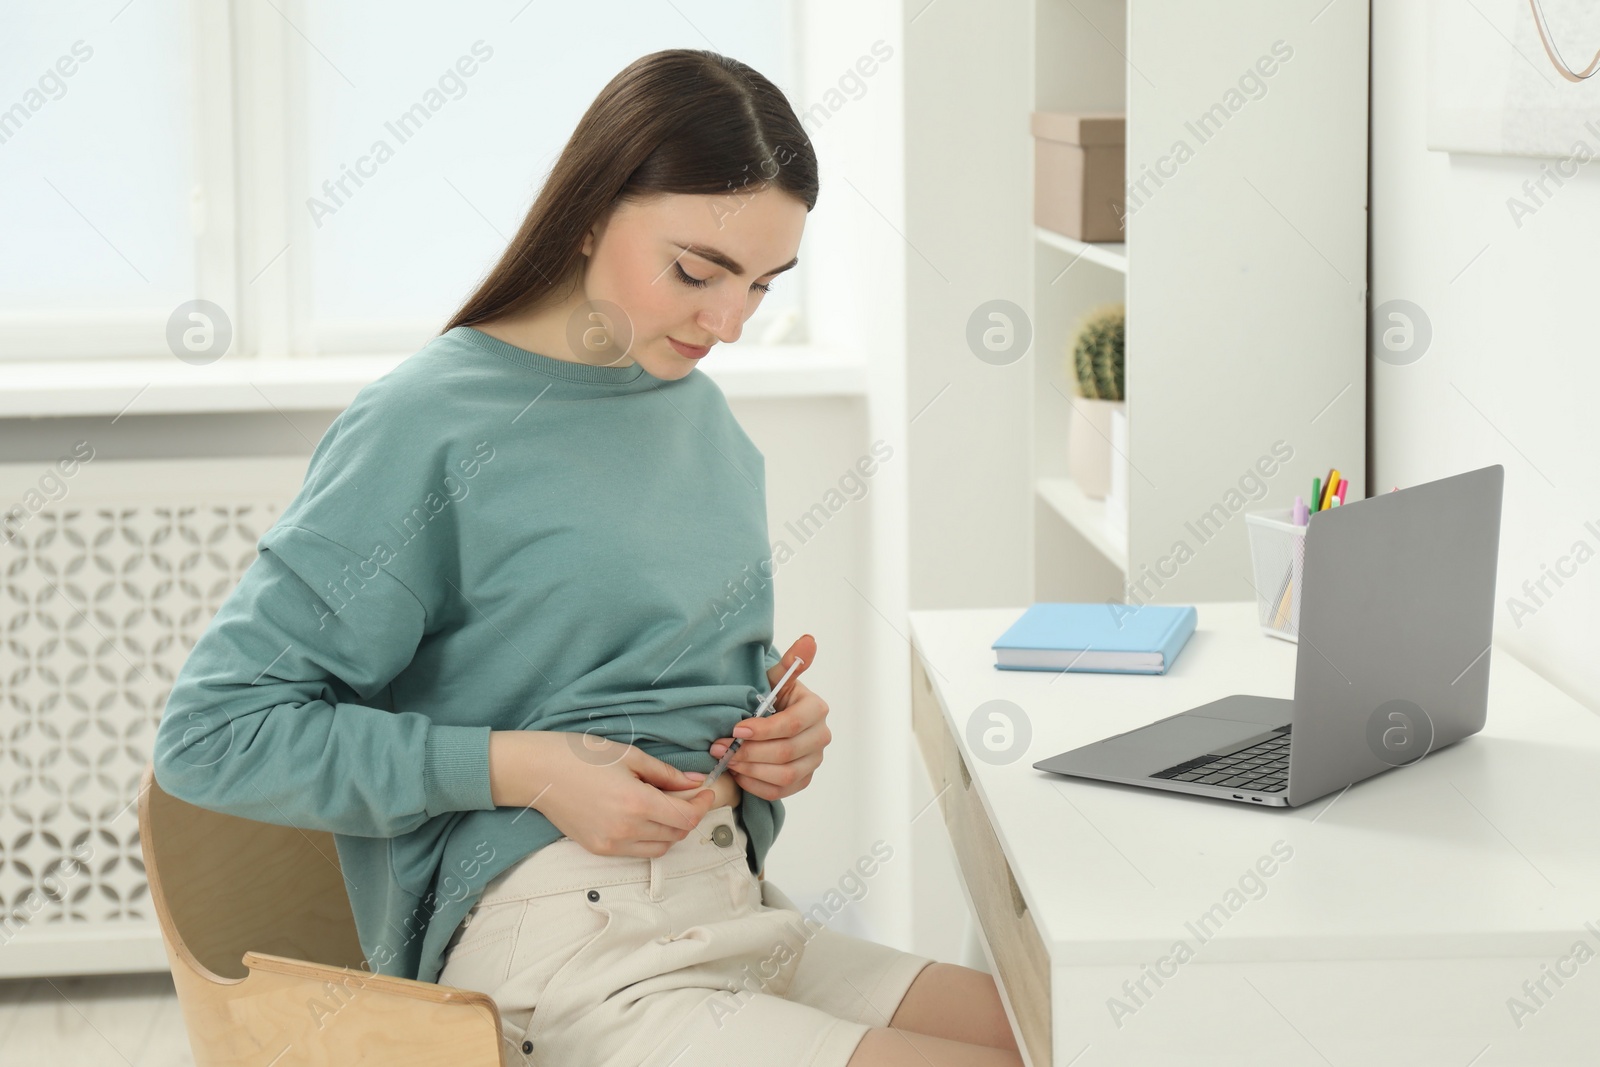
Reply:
x=1277, y=555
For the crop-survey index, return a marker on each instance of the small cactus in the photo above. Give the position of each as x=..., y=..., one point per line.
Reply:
x=1097, y=362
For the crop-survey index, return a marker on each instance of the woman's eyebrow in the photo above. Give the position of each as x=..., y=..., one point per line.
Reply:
x=727, y=262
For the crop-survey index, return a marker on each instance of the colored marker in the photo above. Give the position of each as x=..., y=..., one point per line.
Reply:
x=1342, y=487
x=1316, y=494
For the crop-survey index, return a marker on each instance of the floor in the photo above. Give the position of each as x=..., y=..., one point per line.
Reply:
x=94, y=1021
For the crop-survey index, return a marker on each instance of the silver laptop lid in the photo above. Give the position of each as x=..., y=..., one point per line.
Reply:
x=1396, y=617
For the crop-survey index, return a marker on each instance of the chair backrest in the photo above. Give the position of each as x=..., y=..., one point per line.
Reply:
x=222, y=885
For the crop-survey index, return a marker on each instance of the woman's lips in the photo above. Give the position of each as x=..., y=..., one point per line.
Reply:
x=689, y=351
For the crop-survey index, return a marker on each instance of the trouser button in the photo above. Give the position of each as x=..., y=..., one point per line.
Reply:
x=722, y=836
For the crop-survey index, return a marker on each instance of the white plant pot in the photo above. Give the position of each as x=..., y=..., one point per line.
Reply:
x=1089, y=445
x=1117, y=497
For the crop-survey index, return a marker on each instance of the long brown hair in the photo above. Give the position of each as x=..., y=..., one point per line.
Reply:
x=684, y=120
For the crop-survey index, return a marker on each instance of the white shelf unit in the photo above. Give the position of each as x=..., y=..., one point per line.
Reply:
x=1085, y=515
x=1103, y=253
x=1246, y=313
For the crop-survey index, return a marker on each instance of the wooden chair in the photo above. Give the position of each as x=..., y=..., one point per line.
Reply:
x=262, y=943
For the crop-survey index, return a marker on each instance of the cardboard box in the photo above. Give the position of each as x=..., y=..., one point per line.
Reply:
x=1078, y=173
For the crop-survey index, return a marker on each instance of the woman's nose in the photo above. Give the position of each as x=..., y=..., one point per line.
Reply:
x=725, y=321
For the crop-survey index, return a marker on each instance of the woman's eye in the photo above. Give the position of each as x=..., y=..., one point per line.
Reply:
x=700, y=283
x=683, y=275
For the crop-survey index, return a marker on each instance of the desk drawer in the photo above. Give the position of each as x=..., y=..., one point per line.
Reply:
x=1008, y=929
x=927, y=724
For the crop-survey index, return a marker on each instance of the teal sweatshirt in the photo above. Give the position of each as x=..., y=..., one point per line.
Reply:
x=487, y=539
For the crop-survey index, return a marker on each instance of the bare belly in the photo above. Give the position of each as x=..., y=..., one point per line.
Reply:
x=727, y=791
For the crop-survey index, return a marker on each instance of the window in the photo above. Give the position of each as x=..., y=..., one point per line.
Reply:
x=95, y=172
x=212, y=150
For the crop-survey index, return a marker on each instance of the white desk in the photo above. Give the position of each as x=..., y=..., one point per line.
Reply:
x=1410, y=909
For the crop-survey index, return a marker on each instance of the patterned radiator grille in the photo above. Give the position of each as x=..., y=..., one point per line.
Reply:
x=99, y=607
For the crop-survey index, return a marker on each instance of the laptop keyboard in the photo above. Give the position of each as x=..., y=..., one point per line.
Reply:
x=1263, y=767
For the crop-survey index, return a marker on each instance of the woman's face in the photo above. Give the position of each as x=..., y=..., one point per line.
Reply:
x=682, y=268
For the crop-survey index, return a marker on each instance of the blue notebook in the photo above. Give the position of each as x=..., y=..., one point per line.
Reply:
x=1115, y=638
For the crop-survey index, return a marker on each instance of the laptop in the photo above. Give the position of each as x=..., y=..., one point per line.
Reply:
x=1396, y=616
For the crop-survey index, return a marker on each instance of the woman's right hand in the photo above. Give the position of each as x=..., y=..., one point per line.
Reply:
x=607, y=796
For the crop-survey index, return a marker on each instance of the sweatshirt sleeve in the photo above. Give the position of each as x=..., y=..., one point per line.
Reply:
x=269, y=717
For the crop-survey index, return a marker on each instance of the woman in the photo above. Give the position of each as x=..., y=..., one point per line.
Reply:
x=498, y=638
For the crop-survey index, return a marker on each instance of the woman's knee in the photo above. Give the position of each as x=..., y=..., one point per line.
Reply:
x=884, y=1046
x=957, y=1003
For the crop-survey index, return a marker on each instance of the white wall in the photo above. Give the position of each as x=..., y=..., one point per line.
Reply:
x=969, y=211
x=810, y=444
x=1510, y=376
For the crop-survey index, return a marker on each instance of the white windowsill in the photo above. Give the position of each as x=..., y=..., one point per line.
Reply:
x=113, y=387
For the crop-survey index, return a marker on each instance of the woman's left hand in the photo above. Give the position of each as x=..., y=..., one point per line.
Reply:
x=781, y=751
